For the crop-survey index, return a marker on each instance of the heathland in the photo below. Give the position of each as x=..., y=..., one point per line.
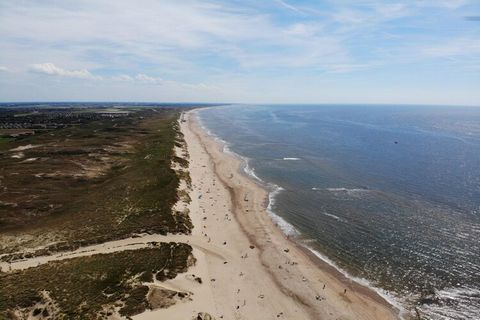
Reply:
x=76, y=176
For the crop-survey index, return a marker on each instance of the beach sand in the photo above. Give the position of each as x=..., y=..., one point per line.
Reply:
x=249, y=268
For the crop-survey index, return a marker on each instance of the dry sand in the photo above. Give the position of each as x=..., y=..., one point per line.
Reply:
x=252, y=271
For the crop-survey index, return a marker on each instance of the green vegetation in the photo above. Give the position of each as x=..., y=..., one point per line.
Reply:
x=70, y=177
x=92, y=177
x=91, y=287
x=5, y=141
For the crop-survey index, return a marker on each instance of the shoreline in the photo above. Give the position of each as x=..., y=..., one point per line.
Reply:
x=296, y=272
x=292, y=234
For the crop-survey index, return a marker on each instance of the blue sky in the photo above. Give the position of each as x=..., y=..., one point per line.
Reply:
x=271, y=51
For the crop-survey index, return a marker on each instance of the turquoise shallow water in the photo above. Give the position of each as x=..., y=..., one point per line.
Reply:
x=390, y=194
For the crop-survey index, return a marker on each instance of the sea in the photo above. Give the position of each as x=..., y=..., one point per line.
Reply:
x=388, y=194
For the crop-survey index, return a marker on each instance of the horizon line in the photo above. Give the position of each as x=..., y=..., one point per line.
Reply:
x=241, y=103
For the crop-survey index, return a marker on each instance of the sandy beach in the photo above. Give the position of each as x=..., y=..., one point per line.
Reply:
x=251, y=270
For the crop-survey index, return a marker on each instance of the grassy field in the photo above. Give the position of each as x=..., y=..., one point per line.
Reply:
x=91, y=287
x=103, y=178
x=71, y=177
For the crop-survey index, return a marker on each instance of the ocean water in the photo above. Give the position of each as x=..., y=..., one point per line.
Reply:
x=388, y=194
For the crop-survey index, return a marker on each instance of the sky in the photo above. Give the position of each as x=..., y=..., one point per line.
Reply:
x=245, y=51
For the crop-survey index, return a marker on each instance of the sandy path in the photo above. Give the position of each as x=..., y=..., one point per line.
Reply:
x=115, y=246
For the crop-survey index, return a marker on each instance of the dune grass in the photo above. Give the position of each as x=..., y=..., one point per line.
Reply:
x=91, y=287
x=100, y=180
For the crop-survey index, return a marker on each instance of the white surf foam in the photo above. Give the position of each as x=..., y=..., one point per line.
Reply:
x=353, y=192
x=225, y=145
x=286, y=227
x=201, y=123
x=333, y=216
x=387, y=296
x=250, y=171
x=346, y=190
x=291, y=159
x=463, y=301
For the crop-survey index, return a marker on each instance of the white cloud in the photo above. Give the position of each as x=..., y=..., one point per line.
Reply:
x=371, y=14
x=392, y=11
x=144, y=79
x=3, y=69
x=289, y=6
x=303, y=29
x=454, y=48
x=49, y=68
x=449, y=4
x=166, y=33
x=206, y=44
x=123, y=78
x=346, y=68
x=141, y=77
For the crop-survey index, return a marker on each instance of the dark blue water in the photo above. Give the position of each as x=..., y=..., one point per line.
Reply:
x=391, y=194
